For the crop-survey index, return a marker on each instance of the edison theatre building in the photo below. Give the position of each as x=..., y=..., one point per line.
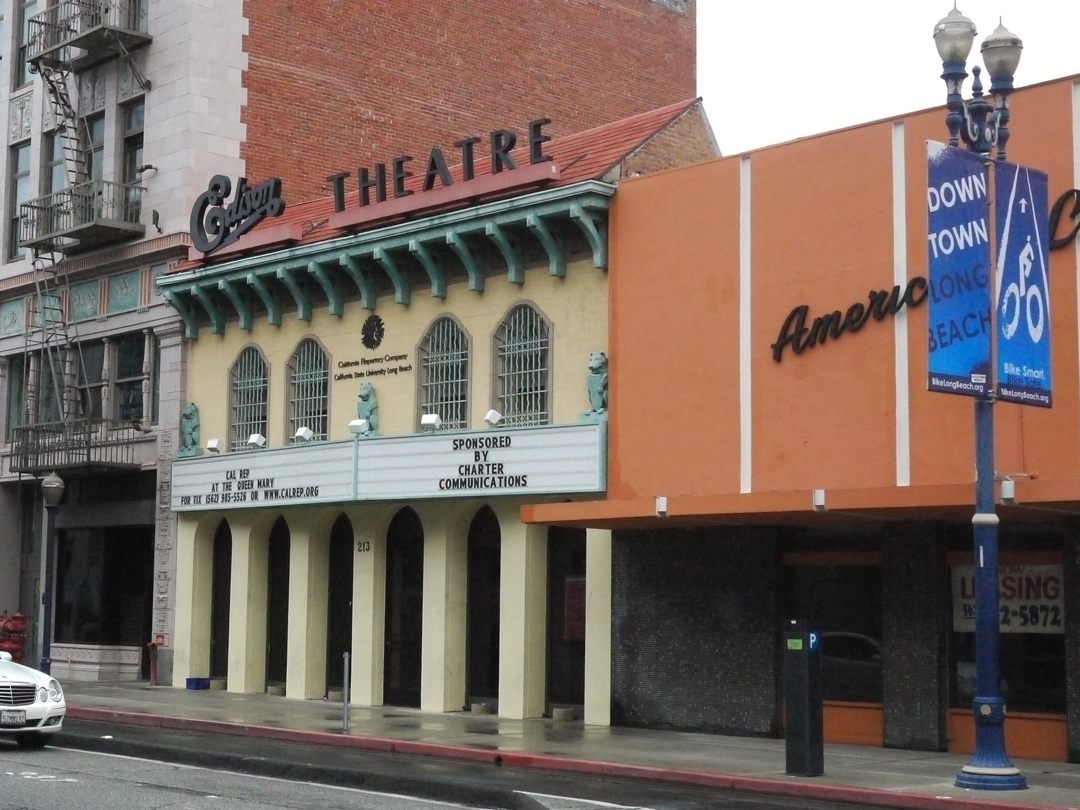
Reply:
x=378, y=381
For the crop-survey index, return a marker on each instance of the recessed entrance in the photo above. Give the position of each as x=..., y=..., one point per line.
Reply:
x=277, y=604
x=339, y=604
x=566, y=619
x=404, y=610
x=482, y=610
x=220, y=592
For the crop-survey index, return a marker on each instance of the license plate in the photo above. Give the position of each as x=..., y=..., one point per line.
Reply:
x=10, y=717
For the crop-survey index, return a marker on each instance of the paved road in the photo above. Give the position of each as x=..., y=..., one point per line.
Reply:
x=207, y=759
x=67, y=779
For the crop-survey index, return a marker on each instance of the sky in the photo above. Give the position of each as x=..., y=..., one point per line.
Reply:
x=835, y=63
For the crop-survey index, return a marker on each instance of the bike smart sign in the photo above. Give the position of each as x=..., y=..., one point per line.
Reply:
x=966, y=313
x=1023, y=294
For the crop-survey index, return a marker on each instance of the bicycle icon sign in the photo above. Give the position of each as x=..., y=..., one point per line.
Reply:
x=1022, y=282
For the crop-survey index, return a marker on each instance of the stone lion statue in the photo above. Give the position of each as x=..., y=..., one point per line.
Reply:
x=189, y=427
x=597, y=382
x=368, y=407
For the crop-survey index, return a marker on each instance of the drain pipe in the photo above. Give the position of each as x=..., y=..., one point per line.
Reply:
x=345, y=697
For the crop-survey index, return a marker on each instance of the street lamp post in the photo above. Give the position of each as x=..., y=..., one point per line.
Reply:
x=52, y=491
x=983, y=127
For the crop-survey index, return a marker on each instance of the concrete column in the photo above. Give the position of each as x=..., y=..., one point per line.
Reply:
x=369, y=608
x=247, y=609
x=442, y=668
x=522, y=616
x=309, y=565
x=598, y=627
x=194, y=586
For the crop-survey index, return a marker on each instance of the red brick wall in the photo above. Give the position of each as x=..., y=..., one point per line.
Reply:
x=337, y=84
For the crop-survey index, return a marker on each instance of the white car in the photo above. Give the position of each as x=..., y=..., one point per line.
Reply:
x=31, y=704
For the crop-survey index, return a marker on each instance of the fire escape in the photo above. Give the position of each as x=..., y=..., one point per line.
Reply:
x=60, y=430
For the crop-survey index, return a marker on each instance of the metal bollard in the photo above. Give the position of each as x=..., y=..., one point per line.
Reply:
x=345, y=697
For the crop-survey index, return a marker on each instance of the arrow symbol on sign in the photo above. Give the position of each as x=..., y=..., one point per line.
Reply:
x=1023, y=206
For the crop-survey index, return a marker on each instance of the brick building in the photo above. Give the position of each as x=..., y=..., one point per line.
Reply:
x=119, y=111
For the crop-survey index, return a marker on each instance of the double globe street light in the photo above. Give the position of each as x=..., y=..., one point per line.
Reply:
x=982, y=128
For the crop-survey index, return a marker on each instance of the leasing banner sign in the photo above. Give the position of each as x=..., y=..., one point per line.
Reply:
x=1031, y=598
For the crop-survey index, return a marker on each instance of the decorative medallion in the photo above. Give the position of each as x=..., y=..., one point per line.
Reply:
x=372, y=332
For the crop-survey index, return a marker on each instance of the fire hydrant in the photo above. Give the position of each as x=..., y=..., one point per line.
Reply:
x=13, y=636
x=152, y=649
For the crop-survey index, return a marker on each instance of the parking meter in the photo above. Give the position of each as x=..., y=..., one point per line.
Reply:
x=802, y=700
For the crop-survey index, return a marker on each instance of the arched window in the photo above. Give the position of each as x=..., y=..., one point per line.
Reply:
x=248, y=393
x=309, y=382
x=522, y=370
x=444, y=374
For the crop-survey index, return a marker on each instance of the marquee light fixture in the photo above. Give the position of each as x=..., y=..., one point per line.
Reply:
x=304, y=434
x=493, y=417
x=215, y=445
x=256, y=440
x=430, y=421
x=359, y=426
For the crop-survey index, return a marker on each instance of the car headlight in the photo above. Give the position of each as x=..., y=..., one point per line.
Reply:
x=55, y=692
x=42, y=694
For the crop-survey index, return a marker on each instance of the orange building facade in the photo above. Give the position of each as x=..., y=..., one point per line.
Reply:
x=749, y=483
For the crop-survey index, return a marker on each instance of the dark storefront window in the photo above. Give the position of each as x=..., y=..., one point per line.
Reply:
x=103, y=585
x=1032, y=639
x=843, y=603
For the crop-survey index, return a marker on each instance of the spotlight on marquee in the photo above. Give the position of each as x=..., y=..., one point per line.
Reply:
x=493, y=417
x=215, y=445
x=430, y=421
x=256, y=440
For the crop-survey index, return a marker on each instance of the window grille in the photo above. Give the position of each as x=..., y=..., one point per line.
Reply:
x=249, y=394
x=522, y=372
x=444, y=366
x=309, y=376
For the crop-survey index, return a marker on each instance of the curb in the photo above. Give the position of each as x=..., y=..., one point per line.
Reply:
x=748, y=784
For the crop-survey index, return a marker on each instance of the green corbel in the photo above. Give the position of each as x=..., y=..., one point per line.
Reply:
x=333, y=296
x=273, y=308
x=556, y=258
x=435, y=272
x=243, y=309
x=191, y=323
x=402, y=291
x=303, y=300
x=514, y=272
x=595, y=232
x=361, y=280
x=461, y=248
x=217, y=322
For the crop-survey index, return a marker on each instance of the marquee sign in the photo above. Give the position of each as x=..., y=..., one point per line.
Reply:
x=517, y=461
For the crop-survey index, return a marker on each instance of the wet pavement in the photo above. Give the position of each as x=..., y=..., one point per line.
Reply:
x=860, y=774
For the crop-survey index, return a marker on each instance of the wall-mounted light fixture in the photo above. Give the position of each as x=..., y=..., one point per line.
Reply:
x=661, y=506
x=819, y=500
x=303, y=434
x=430, y=421
x=215, y=445
x=358, y=427
x=256, y=440
x=493, y=417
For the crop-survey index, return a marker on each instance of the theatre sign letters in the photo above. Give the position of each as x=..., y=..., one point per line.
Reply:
x=532, y=461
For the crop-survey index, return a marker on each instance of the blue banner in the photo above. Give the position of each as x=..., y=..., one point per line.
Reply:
x=1022, y=278
x=958, y=246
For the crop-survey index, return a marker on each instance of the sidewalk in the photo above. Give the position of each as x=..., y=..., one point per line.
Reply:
x=858, y=774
